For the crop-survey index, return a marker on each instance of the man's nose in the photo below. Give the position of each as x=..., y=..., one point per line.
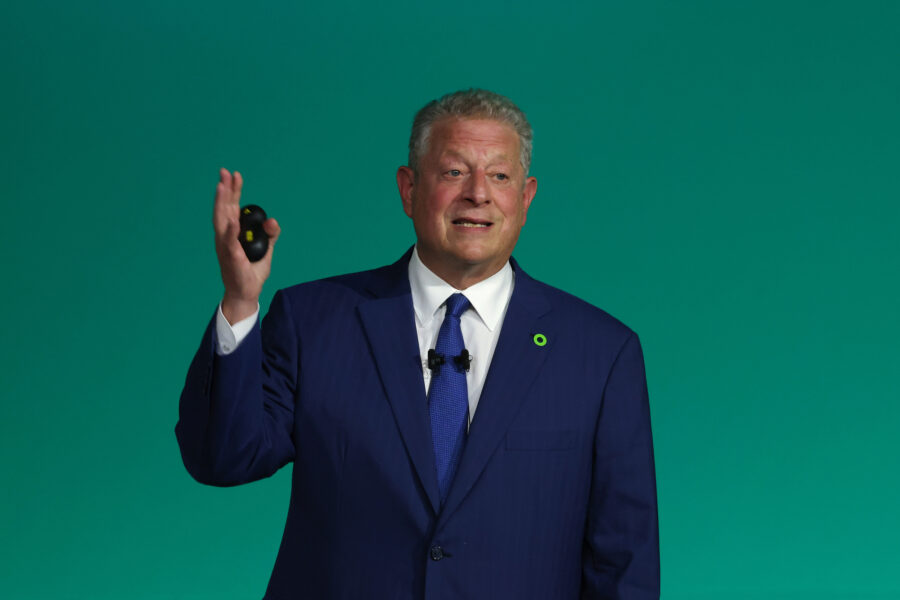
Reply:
x=477, y=188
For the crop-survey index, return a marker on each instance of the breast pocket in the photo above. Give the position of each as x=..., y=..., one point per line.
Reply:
x=539, y=439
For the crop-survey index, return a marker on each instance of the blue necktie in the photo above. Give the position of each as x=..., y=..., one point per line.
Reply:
x=448, y=397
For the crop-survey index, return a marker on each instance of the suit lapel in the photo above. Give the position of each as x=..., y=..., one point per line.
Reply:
x=389, y=324
x=514, y=366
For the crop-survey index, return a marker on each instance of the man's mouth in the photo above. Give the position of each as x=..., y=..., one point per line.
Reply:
x=473, y=223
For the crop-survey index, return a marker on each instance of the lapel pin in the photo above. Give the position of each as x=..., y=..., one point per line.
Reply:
x=540, y=339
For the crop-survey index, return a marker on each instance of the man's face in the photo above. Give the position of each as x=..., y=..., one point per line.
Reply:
x=469, y=200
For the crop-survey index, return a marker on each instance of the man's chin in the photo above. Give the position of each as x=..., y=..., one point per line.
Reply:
x=471, y=257
x=473, y=263
x=464, y=261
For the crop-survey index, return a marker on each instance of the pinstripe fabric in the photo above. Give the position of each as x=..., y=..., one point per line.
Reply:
x=554, y=497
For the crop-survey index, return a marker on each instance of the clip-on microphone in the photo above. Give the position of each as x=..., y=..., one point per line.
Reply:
x=463, y=360
x=435, y=360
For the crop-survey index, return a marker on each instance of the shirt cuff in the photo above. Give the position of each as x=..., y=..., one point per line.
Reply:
x=228, y=336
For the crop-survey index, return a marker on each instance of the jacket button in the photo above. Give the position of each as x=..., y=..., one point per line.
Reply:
x=437, y=553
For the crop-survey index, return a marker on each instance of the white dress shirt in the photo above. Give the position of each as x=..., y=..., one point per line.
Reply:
x=480, y=324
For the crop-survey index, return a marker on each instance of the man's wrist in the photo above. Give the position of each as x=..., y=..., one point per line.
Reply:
x=238, y=309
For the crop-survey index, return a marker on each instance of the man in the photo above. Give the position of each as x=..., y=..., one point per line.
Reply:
x=458, y=429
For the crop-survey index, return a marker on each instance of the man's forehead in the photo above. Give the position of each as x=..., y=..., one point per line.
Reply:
x=472, y=124
x=460, y=136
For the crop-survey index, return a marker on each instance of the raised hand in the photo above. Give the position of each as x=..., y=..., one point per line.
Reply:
x=243, y=279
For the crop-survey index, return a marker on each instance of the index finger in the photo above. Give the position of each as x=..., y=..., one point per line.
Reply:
x=236, y=186
x=225, y=207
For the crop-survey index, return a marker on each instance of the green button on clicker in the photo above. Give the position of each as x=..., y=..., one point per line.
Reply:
x=540, y=339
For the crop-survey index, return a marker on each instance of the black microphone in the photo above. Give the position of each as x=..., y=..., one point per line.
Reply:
x=463, y=360
x=435, y=361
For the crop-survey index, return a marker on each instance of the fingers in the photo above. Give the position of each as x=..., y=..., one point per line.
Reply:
x=221, y=215
x=226, y=216
x=242, y=278
x=224, y=208
x=236, y=186
x=228, y=199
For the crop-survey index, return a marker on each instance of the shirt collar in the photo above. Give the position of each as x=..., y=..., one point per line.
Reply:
x=429, y=292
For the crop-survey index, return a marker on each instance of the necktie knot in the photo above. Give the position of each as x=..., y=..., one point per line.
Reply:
x=456, y=305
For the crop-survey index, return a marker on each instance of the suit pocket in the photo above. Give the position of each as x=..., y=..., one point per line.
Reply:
x=537, y=439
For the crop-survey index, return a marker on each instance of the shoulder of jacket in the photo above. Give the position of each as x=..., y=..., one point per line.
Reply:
x=583, y=312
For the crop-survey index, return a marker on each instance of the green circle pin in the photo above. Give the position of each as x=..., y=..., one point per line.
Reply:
x=540, y=339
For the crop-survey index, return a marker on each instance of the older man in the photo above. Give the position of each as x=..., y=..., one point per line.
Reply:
x=492, y=439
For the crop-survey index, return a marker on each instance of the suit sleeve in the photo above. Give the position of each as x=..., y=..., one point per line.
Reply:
x=236, y=411
x=621, y=552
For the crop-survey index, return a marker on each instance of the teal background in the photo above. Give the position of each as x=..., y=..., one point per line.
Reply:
x=721, y=176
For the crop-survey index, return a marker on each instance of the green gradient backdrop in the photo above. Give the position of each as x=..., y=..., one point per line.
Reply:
x=722, y=176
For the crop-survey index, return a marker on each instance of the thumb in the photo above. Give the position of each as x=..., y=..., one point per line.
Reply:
x=273, y=230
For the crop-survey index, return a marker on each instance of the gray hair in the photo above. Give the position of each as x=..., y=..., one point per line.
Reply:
x=469, y=104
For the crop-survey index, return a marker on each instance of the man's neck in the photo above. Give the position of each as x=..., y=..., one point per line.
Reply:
x=463, y=276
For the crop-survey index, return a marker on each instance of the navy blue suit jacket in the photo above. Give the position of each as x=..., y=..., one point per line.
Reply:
x=555, y=494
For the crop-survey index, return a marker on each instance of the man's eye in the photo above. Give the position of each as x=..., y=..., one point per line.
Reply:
x=502, y=176
x=454, y=172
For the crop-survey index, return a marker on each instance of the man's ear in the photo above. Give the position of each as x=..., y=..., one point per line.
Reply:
x=406, y=180
x=528, y=192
